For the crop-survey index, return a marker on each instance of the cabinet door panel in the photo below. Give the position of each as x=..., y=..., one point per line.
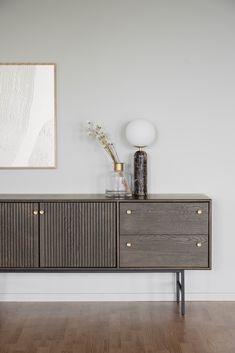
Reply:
x=18, y=235
x=78, y=234
x=164, y=251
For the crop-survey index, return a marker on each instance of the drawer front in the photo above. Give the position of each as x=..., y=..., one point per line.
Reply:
x=164, y=218
x=164, y=251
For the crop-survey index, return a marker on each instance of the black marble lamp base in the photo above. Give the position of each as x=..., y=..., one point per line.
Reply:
x=140, y=173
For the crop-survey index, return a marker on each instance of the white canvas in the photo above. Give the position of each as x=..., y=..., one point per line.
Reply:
x=27, y=116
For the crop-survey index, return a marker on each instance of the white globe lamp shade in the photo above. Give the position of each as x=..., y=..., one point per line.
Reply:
x=140, y=133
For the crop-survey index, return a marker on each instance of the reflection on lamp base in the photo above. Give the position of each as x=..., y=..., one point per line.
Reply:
x=140, y=173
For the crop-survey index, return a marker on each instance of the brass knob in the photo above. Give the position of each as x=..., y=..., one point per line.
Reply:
x=41, y=212
x=199, y=211
x=128, y=211
x=199, y=244
x=128, y=245
x=35, y=212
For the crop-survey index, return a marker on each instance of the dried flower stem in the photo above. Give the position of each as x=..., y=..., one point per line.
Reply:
x=97, y=132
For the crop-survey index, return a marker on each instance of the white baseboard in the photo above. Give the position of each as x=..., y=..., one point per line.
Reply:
x=45, y=297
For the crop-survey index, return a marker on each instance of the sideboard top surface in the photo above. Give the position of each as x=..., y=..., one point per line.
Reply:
x=102, y=197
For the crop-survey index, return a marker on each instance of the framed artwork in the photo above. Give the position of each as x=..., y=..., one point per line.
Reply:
x=27, y=116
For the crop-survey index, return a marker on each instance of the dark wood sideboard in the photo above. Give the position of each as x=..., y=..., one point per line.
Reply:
x=52, y=233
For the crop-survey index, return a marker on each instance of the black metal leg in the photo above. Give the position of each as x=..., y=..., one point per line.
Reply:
x=177, y=287
x=180, y=289
x=182, y=293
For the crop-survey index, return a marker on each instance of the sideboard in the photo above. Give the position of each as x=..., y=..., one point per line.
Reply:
x=65, y=232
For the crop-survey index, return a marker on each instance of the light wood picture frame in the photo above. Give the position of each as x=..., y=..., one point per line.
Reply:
x=28, y=116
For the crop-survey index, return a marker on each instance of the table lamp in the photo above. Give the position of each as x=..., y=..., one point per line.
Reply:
x=140, y=133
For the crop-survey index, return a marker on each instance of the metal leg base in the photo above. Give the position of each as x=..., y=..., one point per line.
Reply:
x=180, y=289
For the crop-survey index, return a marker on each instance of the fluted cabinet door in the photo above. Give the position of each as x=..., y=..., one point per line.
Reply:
x=18, y=235
x=78, y=234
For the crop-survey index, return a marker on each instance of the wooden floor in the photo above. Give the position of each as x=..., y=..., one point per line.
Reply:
x=117, y=327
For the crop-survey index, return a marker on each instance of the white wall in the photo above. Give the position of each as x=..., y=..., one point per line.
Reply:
x=169, y=61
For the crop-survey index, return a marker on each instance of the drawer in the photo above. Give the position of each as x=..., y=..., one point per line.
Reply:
x=164, y=218
x=164, y=251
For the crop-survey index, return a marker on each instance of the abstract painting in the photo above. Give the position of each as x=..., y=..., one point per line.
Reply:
x=27, y=116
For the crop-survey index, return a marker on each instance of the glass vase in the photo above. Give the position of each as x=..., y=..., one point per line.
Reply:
x=118, y=183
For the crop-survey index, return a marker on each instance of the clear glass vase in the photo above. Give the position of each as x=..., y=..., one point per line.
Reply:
x=118, y=183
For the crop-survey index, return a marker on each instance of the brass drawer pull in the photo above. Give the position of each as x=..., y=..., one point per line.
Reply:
x=128, y=212
x=199, y=211
x=35, y=212
x=199, y=244
x=128, y=245
x=41, y=212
